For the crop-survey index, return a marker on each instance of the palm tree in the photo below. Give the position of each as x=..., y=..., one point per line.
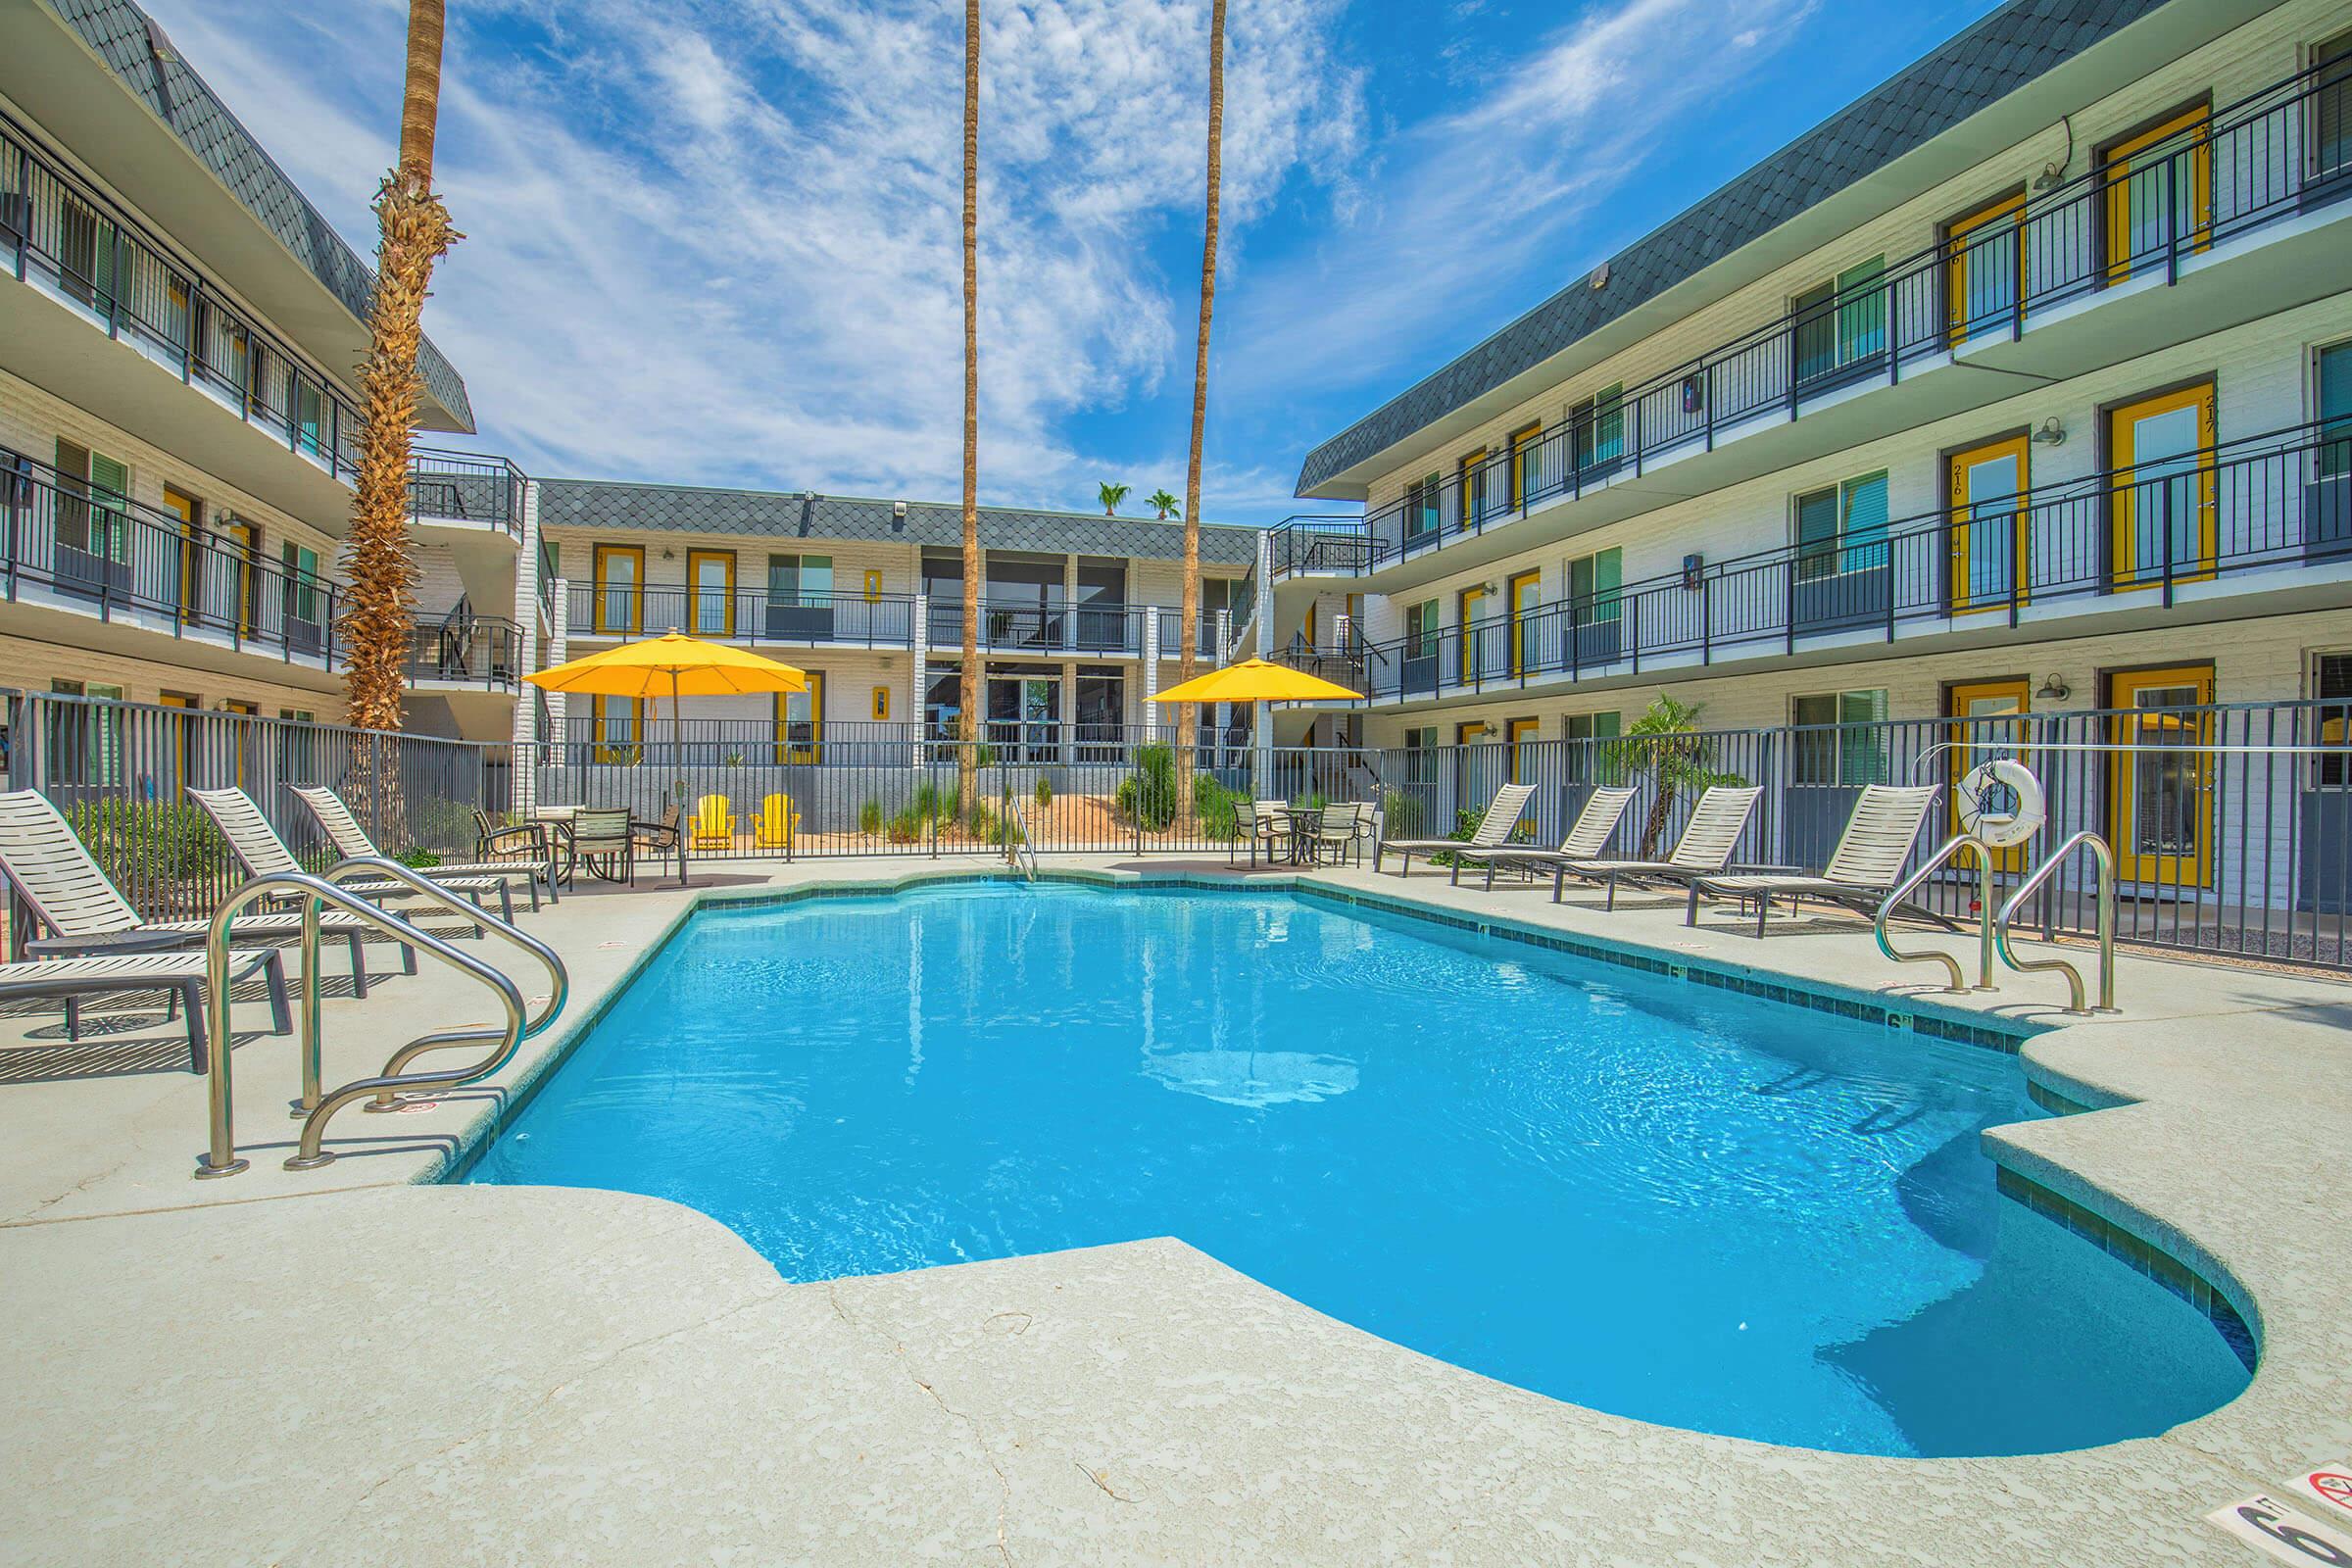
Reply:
x=1188, y=626
x=1110, y=495
x=379, y=608
x=1664, y=747
x=967, y=756
x=1163, y=503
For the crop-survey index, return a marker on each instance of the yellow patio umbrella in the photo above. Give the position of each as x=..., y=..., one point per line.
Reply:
x=674, y=666
x=1254, y=680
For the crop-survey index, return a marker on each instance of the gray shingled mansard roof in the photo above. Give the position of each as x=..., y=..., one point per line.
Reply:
x=793, y=514
x=2000, y=54
x=118, y=31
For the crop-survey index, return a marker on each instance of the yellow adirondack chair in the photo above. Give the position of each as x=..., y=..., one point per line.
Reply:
x=713, y=823
x=778, y=823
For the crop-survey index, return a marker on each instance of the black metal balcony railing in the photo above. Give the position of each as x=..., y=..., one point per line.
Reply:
x=1033, y=628
x=482, y=651
x=2271, y=501
x=71, y=543
x=1171, y=632
x=464, y=488
x=2261, y=161
x=546, y=581
x=741, y=614
x=57, y=230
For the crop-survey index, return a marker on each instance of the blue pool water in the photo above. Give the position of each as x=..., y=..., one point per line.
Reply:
x=1653, y=1198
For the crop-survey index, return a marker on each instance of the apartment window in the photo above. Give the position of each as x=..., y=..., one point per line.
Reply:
x=2331, y=688
x=800, y=597
x=1841, y=528
x=1588, y=736
x=309, y=414
x=710, y=588
x=92, y=514
x=2331, y=109
x=302, y=583
x=2332, y=393
x=1421, y=755
x=1595, y=584
x=1599, y=422
x=1422, y=499
x=1843, y=321
x=1843, y=739
x=85, y=743
x=1421, y=629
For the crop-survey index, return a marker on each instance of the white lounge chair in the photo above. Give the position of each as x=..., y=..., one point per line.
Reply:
x=180, y=976
x=262, y=853
x=1495, y=830
x=1863, y=870
x=1594, y=826
x=1708, y=839
x=79, y=911
x=351, y=841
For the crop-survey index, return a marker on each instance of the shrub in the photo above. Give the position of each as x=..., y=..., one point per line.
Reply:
x=1311, y=801
x=1213, y=807
x=908, y=826
x=1043, y=794
x=927, y=801
x=983, y=755
x=1465, y=828
x=1147, y=795
x=419, y=859
x=869, y=818
x=1403, y=815
x=141, y=841
x=981, y=823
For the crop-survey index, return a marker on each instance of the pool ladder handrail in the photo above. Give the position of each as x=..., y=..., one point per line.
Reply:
x=1903, y=889
x=2105, y=859
x=318, y=892
x=1019, y=853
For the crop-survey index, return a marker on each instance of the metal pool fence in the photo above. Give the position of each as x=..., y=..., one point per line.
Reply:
x=120, y=772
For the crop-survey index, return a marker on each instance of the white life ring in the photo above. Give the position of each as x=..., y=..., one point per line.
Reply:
x=2000, y=829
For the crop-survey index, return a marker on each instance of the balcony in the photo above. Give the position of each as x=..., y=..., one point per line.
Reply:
x=83, y=253
x=750, y=616
x=1099, y=631
x=74, y=547
x=467, y=652
x=2256, y=175
x=2194, y=531
x=461, y=492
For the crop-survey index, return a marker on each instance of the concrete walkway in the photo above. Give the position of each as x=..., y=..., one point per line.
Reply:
x=379, y=1371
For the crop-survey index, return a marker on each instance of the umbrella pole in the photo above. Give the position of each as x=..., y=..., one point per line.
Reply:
x=677, y=738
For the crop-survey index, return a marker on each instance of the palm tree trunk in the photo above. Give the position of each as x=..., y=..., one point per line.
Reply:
x=1187, y=628
x=379, y=610
x=967, y=758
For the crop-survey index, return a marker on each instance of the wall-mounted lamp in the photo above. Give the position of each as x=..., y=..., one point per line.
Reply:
x=1482, y=731
x=668, y=554
x=898, y=510
x=2055, y=169
x=2054, y=689
x=2051, y=434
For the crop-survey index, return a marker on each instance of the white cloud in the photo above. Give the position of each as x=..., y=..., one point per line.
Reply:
x=722, y=241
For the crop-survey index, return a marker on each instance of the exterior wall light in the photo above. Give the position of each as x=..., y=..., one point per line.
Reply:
x=2054, y=689
x=2051, y=434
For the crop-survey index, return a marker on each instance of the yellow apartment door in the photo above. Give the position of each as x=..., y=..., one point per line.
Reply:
x=1524, y=589
x=1987, y=267
x=2160, y=784
x=1471, y=605
x=1471, y=476
x=1989, y=524
x=1989, y=722
x=2165, y=511
x=620, y=577
x=1521, y=732
x=2159, y=192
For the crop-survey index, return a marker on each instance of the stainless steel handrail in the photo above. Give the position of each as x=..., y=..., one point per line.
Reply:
x=1019, y=853
x=559, y=978
x=2105, y=859
x=220, y=1154
x=1984, y=934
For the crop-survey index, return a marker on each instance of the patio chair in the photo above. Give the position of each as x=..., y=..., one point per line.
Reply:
x=713, y=823
x=1262, y=823
x=778, y=824
x=660, y=838
x=1863, y=870
x=181, y=976
x=1705, y=846
x=1495, y=830
x=83, y=914
x=605, y=841
x=1596, y=825
x=351, y=841
x=1339, y=829
x=259, y=848
x=524, y=844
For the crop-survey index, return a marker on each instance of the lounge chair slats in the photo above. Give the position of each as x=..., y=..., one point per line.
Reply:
x=1706, y=846
x=1494, y=830
x=352, y=841
x=1596, y=824
x=257, y=845
x=1863, y=870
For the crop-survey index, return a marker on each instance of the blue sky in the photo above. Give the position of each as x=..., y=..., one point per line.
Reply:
x=717, y=241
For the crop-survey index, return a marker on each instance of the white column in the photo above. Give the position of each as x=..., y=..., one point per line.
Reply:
x=1154, y=726
x=918, y=666
x=1222, y=632
x=521, y=732
x=1262, y=614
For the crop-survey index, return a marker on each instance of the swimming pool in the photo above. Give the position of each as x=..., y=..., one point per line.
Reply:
x=1651, y=1198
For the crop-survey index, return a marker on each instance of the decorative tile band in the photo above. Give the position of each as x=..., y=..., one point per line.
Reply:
x=2052, y=1101
x=2145, y=1256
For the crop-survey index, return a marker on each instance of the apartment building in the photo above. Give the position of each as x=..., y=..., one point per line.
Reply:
x=2023, y=384
x=1079, y=622
x=179, y=332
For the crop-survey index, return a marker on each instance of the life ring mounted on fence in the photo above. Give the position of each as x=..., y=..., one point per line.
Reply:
x=1988, y=782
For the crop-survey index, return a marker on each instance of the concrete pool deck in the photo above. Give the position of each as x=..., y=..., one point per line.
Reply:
x=377, y=1370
